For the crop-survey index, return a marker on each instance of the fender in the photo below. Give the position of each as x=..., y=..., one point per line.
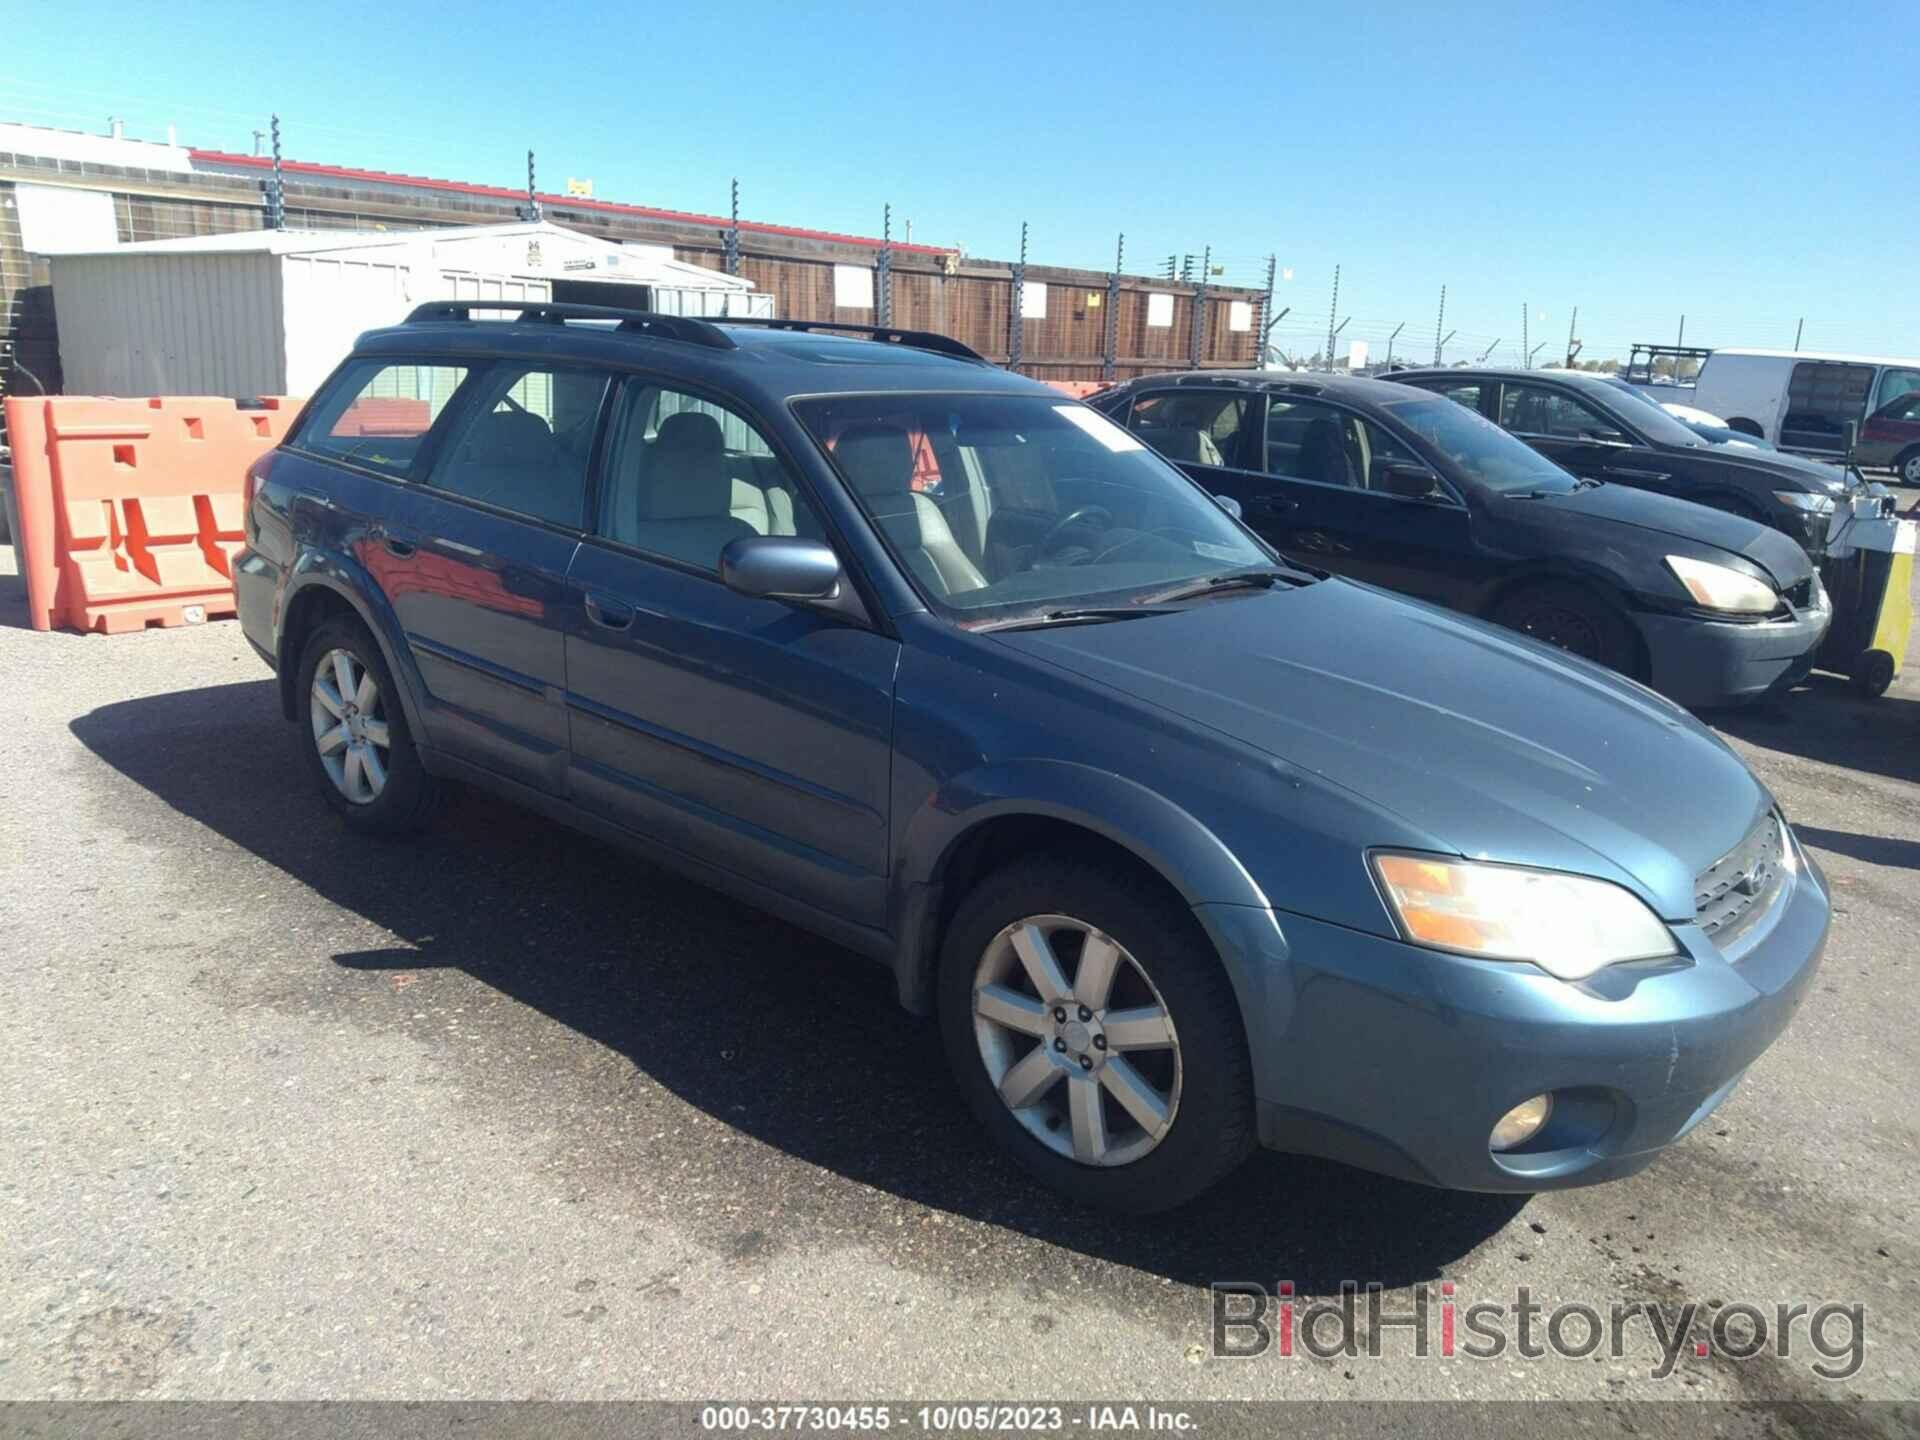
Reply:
x=1166, y=838
x=344, y=577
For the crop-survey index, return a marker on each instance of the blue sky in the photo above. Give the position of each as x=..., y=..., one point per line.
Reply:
x=1743, y=165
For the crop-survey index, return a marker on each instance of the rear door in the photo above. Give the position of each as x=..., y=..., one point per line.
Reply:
x=748, y=733
x=1822, y=395
x=478, y=570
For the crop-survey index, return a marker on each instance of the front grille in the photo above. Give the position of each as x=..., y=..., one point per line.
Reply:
x=1736, y=889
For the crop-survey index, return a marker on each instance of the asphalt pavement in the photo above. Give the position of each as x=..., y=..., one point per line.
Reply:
x=502, y=1112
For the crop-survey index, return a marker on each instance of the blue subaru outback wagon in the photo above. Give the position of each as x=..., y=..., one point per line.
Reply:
x=1187, y=849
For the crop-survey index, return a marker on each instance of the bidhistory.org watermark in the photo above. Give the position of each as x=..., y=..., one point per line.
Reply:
x=1251, y=1320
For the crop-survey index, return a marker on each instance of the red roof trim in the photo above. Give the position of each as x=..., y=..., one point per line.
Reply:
x=495, y=192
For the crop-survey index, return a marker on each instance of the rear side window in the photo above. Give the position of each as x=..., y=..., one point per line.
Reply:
x=378, y=413
x=526, y=442
x=1464, y=394
x=1198, y=427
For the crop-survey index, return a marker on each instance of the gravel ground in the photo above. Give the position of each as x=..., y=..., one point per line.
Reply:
x=501, y=1112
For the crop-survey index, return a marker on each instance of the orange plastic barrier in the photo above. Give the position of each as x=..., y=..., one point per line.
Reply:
x=1081, y=389
x=131, y=510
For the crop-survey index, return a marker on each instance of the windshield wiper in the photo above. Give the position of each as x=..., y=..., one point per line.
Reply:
x=1264, y=579
x=1088, y=615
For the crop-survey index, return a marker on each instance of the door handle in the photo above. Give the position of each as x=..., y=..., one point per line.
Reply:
x=608, y=614
x=1274, y=504
x=1650, y=477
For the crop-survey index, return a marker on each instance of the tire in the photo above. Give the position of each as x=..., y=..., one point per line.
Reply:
x=404, y=794
x=1872, y=674
x=1571, y=618
x=1197, y=1072
x=1907, y=468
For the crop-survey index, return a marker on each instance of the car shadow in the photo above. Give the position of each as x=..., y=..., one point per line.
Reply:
x=1826, y=720
x=773, y=1032
x=1873, y=849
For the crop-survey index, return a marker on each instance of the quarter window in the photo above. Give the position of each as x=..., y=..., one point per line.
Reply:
x=377, y=415
x=526, y=443
x=686, y=475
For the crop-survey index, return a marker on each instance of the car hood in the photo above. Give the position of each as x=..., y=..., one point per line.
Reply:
x=1773, y=552
x=1483, y=743
x=1802, y=471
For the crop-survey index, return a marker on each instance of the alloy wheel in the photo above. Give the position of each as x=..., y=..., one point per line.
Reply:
x=1091, y=1065
x=1910, y=469
x=350, y=726
x=1567, y=629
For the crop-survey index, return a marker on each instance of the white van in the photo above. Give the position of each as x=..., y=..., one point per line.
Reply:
x=1797, y=400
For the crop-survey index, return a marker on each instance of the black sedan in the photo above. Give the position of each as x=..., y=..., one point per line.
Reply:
x=1598, y=429
x=1413, y=492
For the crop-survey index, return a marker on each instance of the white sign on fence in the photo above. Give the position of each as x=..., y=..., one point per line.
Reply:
x=1239, y=315
x=1033, y=300
x=852, y=287
x=1159, y=310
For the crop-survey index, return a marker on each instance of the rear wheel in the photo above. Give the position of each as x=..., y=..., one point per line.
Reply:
x=355, y=734
x=1573, y=619
x=1095, y=1035
x=1907, y=467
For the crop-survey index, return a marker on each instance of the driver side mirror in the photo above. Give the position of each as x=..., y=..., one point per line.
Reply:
x=1230, y=505
x=1850, y=436
x=780, y=567
x=1409, y=482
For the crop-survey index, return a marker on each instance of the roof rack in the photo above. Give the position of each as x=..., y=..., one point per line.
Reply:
x=913, y=339
x=686, y=328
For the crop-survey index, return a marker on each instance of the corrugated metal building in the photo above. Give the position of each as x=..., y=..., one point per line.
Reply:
x=271, y=312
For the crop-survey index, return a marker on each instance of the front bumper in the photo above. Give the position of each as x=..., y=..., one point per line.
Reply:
x=1383, y=1055
x=1703, y=663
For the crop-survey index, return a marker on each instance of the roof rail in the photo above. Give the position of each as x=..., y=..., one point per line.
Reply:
x=686, y=328
x=913, y=339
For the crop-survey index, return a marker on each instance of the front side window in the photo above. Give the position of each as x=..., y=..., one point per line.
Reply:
x=1311, y=440
x=1197, y=428
x=1043, y=503
x=1475, y=450
x=377, y=414
x=1895, y=383
x=1460, y=392
x=686, y=475
x=1535, y=410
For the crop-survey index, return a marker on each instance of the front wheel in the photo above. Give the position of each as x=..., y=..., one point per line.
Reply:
x=1096, y=1036
x=1573, y=619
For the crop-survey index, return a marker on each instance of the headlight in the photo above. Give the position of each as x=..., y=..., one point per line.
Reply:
x=1568, y=925
x=1718, y=588
x=1802, y=500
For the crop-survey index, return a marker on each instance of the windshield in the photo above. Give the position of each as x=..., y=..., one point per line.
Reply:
x=1653, y=419
x=1477, y=450
x=1000, y=504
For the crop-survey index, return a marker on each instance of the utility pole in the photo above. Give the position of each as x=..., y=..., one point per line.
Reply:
x=1333, y=308
x=1681, y=342
x=1439, y=322
x=1390, y=339
x=1573, y=345
x=1799, y=325
x=731, y=245
x=1526, y=355
x=883, y=301
x=1017, y=337
x=277, y=196
x=533, y=199
x=1110, y=344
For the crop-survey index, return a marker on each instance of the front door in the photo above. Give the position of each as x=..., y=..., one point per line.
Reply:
x=751, y=734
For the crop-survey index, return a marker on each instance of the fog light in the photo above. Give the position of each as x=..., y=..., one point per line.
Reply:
x=1521, y=1123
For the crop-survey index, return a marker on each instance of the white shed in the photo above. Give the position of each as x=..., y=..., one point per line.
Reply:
x=266, y=312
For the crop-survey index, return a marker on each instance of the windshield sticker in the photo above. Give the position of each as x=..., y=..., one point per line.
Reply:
x=1099, y=427
x=1229, y=553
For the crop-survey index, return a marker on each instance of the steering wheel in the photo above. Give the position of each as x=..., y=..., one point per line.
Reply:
x=1084, y=514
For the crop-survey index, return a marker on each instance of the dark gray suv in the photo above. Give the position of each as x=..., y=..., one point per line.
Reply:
x=1185, y=848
